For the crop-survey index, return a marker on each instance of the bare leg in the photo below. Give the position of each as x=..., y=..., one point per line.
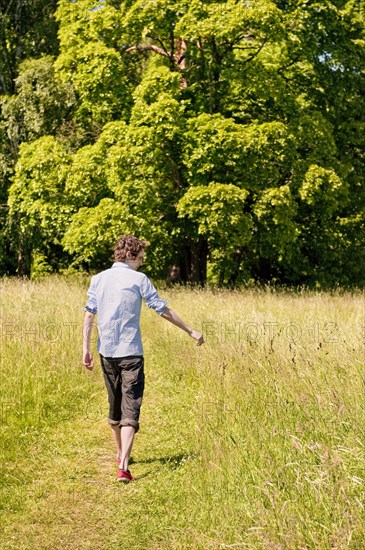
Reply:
x=127, y=436
x=117, y=440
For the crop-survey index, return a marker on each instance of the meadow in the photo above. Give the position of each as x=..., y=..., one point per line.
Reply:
x=255, y=440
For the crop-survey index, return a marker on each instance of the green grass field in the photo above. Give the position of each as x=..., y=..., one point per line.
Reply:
x=255, y=440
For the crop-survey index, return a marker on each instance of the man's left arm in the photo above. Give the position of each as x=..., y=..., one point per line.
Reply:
x=173, y=318
x=150, y=295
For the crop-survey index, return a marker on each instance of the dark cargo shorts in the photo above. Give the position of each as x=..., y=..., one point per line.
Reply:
x=124, y=380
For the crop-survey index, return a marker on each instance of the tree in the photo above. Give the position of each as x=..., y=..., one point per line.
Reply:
x=217, y=212
x=37, y=210
x=40, y=105
x=27, y=29
x=229, y=134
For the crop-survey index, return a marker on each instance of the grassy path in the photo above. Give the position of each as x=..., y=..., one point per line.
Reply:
x=70, y=497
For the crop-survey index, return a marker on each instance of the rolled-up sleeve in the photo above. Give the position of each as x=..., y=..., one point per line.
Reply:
x=91, y=304
x=150, y=296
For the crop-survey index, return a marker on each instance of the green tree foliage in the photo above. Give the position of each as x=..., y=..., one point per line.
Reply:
x=27, y=29
x=217, y=212
x=91, y=42
x=276, y=239
x=40, y=105
x=229, y=134
x=38, y=211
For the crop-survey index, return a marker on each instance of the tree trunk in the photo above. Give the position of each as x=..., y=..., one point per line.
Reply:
x=237, y=259
x=23, y=261
x=195, y=262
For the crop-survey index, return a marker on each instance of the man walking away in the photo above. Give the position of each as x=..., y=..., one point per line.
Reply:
x=115, y=295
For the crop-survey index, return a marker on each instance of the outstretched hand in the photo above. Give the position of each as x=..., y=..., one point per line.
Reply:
x=198, y=337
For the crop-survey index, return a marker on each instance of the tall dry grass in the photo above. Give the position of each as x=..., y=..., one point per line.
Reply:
x=254, y=440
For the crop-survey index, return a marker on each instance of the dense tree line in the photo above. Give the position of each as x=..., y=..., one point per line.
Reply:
x=228, y=134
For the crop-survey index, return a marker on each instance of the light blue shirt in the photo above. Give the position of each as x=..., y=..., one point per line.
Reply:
x=116, y=296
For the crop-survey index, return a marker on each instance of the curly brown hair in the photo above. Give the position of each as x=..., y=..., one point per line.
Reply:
x=127, y=243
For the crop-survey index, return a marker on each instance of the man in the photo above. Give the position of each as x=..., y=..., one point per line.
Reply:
x=115, y=295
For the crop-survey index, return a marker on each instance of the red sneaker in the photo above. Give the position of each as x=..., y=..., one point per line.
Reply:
x=125, y=475
x=118, y=460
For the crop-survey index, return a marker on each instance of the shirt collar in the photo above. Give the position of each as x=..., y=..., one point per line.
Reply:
x=121, y=264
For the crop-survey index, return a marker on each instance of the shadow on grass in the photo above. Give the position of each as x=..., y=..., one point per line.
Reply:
x=173, y=462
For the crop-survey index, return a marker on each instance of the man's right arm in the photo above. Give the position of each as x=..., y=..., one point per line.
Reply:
x=90, y=312
x=87, y=357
